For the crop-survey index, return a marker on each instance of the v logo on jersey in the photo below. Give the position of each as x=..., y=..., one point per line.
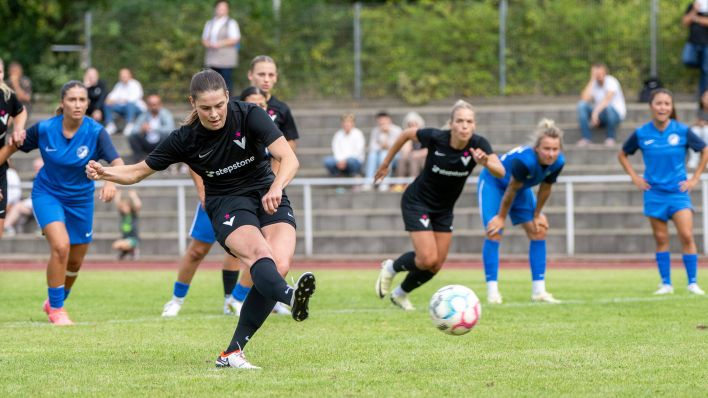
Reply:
x=465, y=159
x=4, y=118
x=240, y=141
x=424, y=220
x=230, y=223
x=273, y=116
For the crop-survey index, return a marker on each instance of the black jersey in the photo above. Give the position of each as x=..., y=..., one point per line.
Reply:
x=97, y=96
x=446, y=169
x=279, y=111
x=10, y=108
x=231, y=160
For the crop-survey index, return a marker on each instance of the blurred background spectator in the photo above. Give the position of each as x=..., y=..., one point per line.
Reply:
x=348, y=149
x=151, y=128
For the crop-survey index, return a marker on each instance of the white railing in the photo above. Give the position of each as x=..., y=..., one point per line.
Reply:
x=308, y=183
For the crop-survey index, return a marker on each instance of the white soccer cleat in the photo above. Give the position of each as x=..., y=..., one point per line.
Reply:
x=232, y=306
x=693, y=288
x=281, y=309
x=494, y=298
x=235, y=360
x=401, y=300
x=171, y=309
x=544, y=297
x=383, y=282
x=664, y=289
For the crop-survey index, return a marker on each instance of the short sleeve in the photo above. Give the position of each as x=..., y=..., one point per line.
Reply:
x=483, y=144
x=519, y=170
x=694, y=141
x=233, y=30
x=289, y=128
x=553, y=177
x=31, y=139
x=15, y=105
x=167, y=152
x=106, y=150
x=631, y=145
x=611, y=84
x=424, y=136
x=261, y=126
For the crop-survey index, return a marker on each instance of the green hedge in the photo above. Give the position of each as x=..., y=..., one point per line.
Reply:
x=418, y=51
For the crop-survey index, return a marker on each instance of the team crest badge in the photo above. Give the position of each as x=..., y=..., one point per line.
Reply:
x=3, y=117
x=272, y=114
x=673, y=139
x=82, y=151
x=240, y=140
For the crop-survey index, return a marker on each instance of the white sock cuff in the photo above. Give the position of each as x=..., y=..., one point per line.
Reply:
x=72, y=273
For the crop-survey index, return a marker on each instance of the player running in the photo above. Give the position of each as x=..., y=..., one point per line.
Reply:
x=224, y=143
x=664, y=143
x=62, y=195
x=427, y=204
x=526, y=166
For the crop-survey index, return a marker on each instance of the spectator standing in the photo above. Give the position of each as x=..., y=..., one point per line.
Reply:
x=97, y=93
x=696, y=19
x=20, y=84
x=601, y=105
x=151, y=128
x=382, y=138
x=220, y=38
x=348, y=149
x=126, y=99
x=700, y=128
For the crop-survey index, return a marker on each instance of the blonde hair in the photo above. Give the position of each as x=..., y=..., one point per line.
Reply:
x=4, y=88
x=460, y=104
x=348, y=116
x=546, y=128
x=413, y=117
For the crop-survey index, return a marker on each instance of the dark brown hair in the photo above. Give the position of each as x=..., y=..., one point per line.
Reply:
x=668, y=92
x=65, y=88
x=203, y=81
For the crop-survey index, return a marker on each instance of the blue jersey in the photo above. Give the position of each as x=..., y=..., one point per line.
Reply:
x=664, y=153
x=522, y=163
x=63, y=174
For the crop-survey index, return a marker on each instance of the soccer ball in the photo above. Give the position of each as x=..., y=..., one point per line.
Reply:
x=455, y=309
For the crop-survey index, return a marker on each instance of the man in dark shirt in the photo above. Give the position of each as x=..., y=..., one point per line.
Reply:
x=696, y=19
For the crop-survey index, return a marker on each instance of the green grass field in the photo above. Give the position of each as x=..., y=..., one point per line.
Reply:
x=610, y=337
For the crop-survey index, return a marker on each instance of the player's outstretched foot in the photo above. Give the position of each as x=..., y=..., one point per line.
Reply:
x=693, y=288
x=172, y=308
x=664, y=289
x=281, y=309
x=59, y=317
x=304, y=288
x=383, y=282
x=232, y=306
x=234, y=359
x=544, y=297
x=494, y=298
x=401, y=300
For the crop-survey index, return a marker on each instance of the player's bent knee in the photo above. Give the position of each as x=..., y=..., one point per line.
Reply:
x=427, y=261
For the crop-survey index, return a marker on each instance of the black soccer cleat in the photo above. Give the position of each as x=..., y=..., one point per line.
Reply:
x=304, y=288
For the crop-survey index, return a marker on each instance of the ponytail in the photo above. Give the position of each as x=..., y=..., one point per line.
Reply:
x=4, y=88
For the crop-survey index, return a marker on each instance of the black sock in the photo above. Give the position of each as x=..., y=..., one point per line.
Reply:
x=415, y=279
x=405, y=263
x=229, y=278
x=269, y=282
x=254, y=312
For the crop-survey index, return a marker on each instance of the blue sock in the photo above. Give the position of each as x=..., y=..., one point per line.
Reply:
x=56, y=296
x=690, y=261
x=66, y=293
x=490, y=257
x=663, y=260
x=180, y=290
x=537, y=259
x=240, y=292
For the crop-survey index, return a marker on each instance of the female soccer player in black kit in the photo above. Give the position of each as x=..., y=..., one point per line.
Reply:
x=428, y=202
x=224, y=143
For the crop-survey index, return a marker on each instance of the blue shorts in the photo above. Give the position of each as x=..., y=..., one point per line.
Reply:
x=663, y=205
x=490, y=195
x=201, y=226
x=78, y=218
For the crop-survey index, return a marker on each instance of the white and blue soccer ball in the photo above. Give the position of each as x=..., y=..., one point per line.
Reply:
x=455, y=309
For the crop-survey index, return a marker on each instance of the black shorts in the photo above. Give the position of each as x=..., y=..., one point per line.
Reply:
x=228, y=213
x=417, y=216
x=3, y=187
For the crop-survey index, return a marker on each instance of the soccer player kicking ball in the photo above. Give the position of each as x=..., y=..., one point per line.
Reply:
x=223, y=142
x=428, y=202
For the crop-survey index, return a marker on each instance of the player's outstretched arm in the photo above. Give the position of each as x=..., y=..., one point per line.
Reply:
x=405, y=136
x=491, y=162
x=124, y=175
x=5, y=152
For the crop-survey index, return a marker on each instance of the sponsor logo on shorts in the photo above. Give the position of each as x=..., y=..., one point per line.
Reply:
x=290, y=215
x=227, y=170
x=229, y=220
x=240, y=140
x=425, y=220
x=88, y=234
x=82, y=151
